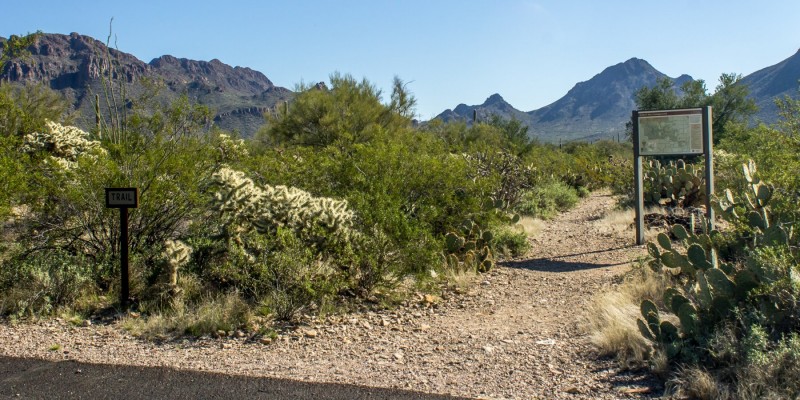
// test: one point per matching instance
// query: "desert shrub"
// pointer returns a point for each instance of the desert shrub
(25, 108)
(14, 176)
(769, 369)
(621, 178)
(510, 175)
(590, 165)
(71, 169)
(775, 152)
(547, 200)
(402, 183)
(296, 282)
(349, 112)
(44, 283)
(511, 242)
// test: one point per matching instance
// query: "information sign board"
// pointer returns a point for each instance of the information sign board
(670, 132)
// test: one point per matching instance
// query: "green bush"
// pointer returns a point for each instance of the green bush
(511, 242)
(769, 369)
(44, 283)
(546, 201)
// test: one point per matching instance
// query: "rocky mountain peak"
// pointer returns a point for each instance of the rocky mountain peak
(74, 64)
(495, 99)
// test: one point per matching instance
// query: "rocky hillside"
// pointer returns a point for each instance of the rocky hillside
(599, 107)
(777, 81)
(73, 65)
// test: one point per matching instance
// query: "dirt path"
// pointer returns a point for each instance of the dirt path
(515, 334)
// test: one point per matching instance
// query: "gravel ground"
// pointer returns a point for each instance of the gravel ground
(514, 334)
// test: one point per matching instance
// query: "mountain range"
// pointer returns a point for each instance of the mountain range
(591, 110)
(598, 108)
(72, 65)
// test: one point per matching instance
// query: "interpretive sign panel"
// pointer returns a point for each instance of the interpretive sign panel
(670, 132)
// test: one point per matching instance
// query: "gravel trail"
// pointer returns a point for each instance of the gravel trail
(515, 334)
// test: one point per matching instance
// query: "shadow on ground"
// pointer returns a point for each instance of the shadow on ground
(554, 264)
(40, 379)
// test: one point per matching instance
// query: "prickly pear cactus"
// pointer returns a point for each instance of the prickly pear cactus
(470, 247)
(709, 290)
(676, 184)
(752, 210)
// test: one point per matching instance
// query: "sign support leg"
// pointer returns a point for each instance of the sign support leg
(708, 144)
(124, 294)
(638, 185)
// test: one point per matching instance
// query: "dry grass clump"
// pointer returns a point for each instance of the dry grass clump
(461, 281)
(532, 226)
(222, 313)
(697, 383)
(611, 317)
(623, 221)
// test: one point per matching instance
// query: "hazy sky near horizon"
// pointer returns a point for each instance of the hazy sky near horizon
(448, 51)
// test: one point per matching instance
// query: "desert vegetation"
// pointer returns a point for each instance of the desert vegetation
(713, 311)
(342, 200)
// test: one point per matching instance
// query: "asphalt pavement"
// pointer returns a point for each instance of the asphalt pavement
(27, 378)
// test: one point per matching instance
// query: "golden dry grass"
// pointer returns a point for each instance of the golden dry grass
(697, 383)
(611, 317)
(226, 312)
(622, 222)
(461, 281)
(531, 226)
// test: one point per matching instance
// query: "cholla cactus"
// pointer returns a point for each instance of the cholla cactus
(177, 254)
(229, 148)
(64, 144)
(243, 204)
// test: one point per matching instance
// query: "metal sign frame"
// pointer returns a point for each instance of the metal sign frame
(708, 151)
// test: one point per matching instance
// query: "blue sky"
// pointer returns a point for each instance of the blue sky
(449, 51)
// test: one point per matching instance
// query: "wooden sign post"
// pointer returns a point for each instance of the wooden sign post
(123, 198)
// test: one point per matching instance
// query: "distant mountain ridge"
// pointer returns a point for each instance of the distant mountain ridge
(776, 81)
(590, 110)
(72, 64)
(600, 107)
